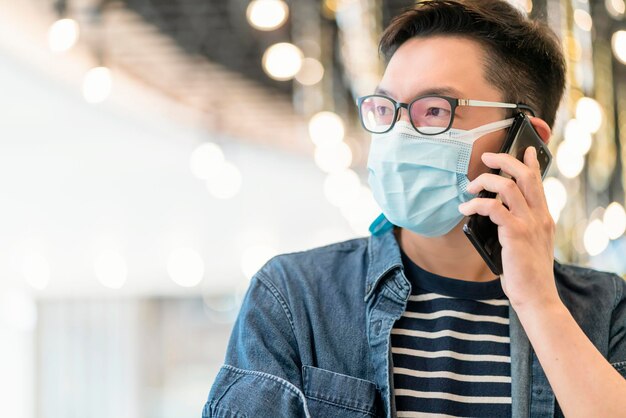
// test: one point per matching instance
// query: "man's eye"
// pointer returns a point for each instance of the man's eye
(436, 112)
(382, 110)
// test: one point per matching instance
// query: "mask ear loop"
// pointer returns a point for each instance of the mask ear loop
(491, 127)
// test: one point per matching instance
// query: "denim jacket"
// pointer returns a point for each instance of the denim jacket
(312, 338)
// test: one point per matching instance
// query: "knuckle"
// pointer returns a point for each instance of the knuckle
(528, 176)
(494, 203)
(480, 179)
(523, 230)
(548, 224)
(509, 185)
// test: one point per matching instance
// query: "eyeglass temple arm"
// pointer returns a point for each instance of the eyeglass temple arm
(481, 103)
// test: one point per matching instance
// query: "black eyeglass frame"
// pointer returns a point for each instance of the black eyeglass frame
(454, 103)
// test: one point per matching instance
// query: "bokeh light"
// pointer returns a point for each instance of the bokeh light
(267, 14)
(595, 238)
(569, 162)
(614, 220)
(311, 72)
(185, 267)
(583, 19)
(342, 187)
(282, 61)
(618, 42)
(556, 196)
(589, 114)
(97, 85)
(333, 157)
(226, 182)
(254, 257)
(36, 270)
(206, 160)
(326, 128)
(578, 137)
(63, 35)
(361, 211)
(616, 8)
(110, 269)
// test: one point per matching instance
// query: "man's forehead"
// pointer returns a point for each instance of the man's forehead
(446, 65)
(421, 91)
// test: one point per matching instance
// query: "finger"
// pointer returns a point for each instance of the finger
(493, 208)
(528, 179)
(530, 159)
(506, 188)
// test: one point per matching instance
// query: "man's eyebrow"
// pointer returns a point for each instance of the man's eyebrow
(380, 90)
(442, 90)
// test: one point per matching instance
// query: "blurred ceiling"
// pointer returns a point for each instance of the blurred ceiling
(204, 54)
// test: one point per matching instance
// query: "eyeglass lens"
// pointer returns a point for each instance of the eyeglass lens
(377, 114)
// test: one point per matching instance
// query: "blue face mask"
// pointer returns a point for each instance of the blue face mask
(420, 180)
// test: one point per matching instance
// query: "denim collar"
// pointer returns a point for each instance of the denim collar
(383, 256)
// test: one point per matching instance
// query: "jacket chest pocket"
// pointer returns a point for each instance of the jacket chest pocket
(331, 394)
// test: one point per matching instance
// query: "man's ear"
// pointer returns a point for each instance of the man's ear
(542, 128)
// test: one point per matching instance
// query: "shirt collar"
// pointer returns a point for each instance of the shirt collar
(383, 257)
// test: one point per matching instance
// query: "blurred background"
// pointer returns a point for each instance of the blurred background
(155, 153)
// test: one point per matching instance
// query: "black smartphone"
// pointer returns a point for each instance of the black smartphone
(483, 233)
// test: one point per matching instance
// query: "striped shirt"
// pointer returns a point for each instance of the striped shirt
(450, 348)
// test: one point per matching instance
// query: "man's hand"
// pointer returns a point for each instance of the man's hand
(525, 227)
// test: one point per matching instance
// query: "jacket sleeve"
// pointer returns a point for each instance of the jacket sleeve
(617, 338)
(262, 371)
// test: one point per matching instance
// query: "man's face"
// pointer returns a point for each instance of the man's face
(454, 65)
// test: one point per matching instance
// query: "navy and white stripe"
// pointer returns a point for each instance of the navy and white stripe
(451, 352)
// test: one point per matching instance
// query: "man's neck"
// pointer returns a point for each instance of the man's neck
(451, 255)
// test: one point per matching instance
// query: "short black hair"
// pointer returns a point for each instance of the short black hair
(524, 59)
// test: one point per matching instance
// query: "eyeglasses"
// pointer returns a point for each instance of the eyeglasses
(378, 113)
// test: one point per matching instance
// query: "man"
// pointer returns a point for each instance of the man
(410, 321)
